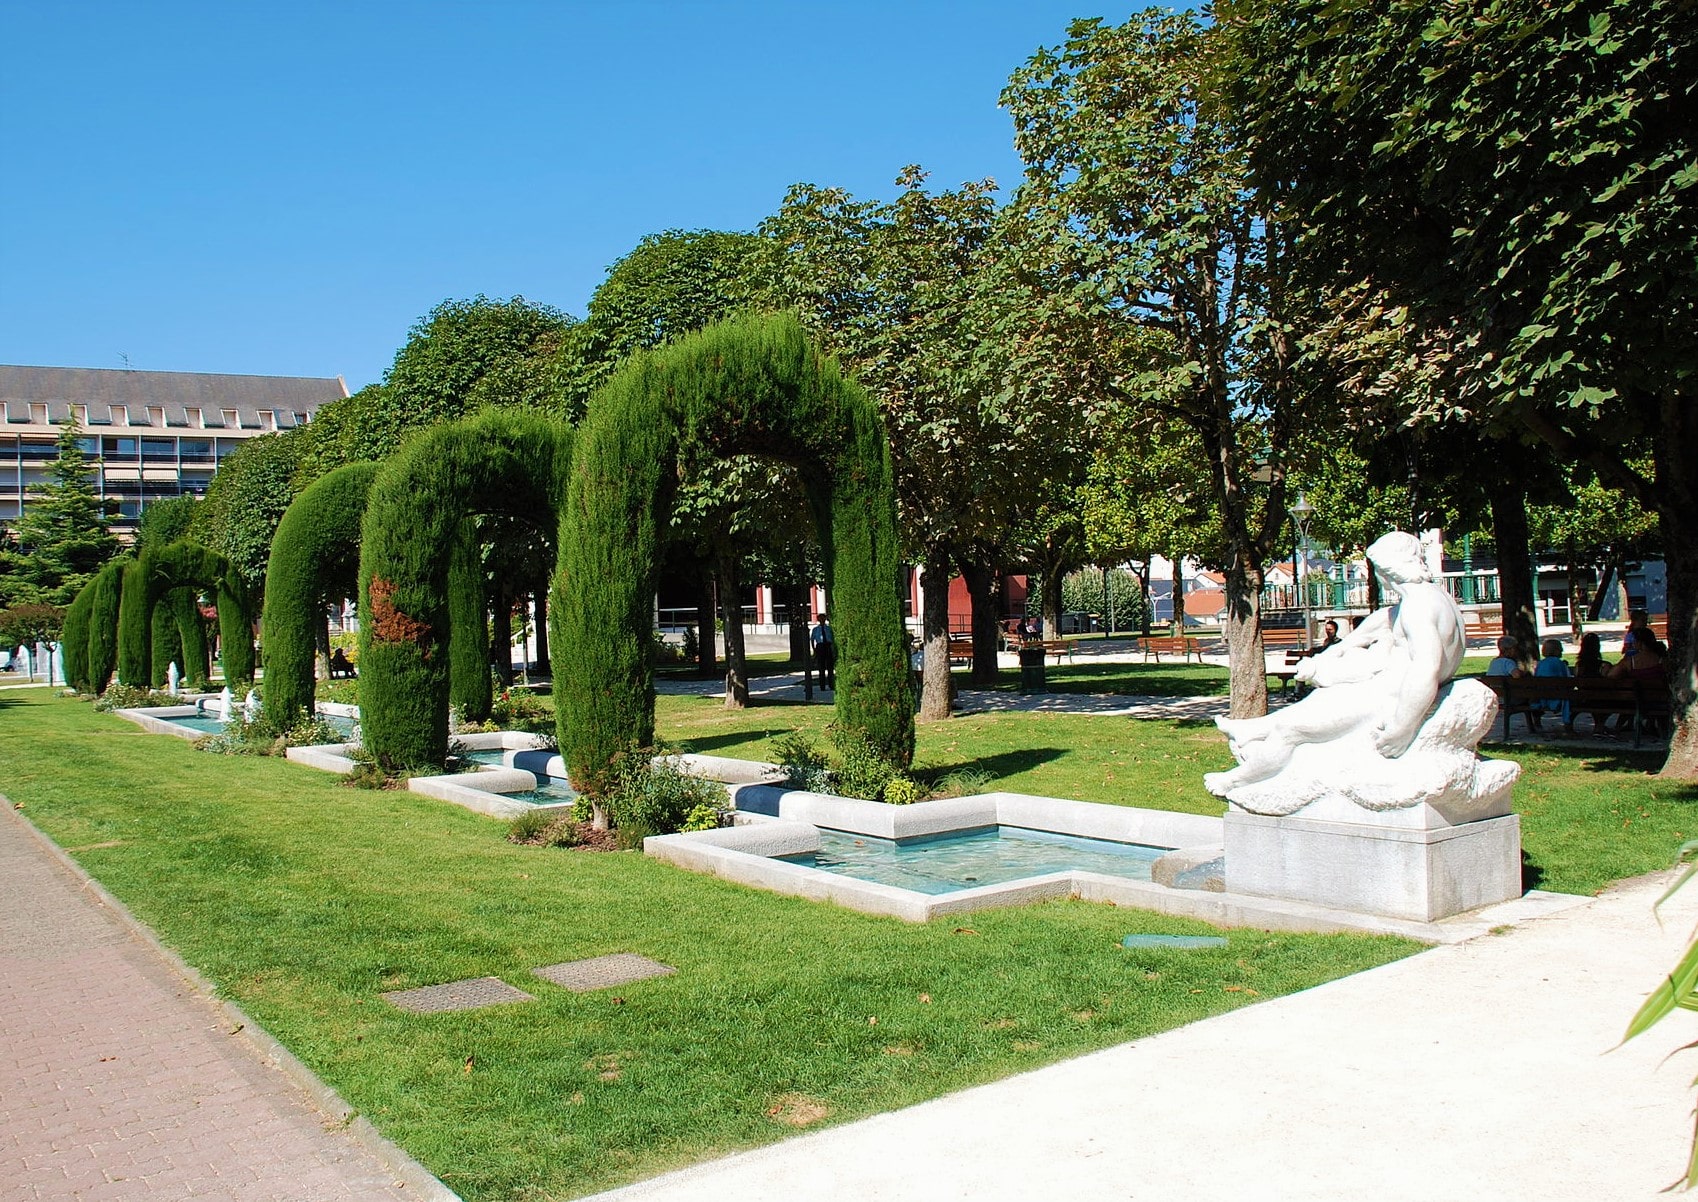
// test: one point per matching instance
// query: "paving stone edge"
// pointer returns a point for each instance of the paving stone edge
(263, 1045)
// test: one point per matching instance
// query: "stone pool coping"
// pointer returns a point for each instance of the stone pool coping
(774, 821)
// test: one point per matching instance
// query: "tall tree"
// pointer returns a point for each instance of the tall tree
(1140, 224)
(64, 534)
(1519, 180)
(901, 292)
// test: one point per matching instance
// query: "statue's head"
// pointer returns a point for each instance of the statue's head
(1397, 558)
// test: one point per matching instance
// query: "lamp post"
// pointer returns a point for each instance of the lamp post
(1300, 515)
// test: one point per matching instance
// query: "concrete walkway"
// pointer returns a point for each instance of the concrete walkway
(120, 1079)
(1476, 1071)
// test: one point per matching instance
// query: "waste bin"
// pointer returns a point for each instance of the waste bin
(1032, 669)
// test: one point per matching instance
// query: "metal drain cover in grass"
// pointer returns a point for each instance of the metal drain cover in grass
(603, 972)
(457, 995)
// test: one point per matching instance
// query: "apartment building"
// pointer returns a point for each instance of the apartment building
(149, 434)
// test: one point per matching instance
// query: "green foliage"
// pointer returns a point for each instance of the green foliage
(165, 641)
(62, 536)
(962, 782)
(657, 798)
(903, 791)
(165, 521)
(748, 386)
(247, 499)
(314, 560)
(460, 358)
(704, 817)
(469, 683)
(73, 639)
(261, 737)
(1082, 592)
(502, 461)
(518, 710)
(103, 610)
(129, 697)
(860, 771)
(1677, 991)
(135, 613)
(805, 765)
(33, 622)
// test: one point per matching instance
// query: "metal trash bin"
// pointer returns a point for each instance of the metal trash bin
(1032, 669)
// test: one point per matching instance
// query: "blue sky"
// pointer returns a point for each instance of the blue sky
(284, 189)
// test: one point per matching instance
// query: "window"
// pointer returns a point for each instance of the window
(118, 448)
(159, 450)
(155, 416)
(191, 449)
(230, 422)
(120, 415)
(31, 449)
(38, 414)
(196, 417)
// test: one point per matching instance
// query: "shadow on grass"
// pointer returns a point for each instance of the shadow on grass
(1133, 680)
(703, 744)
(1003, 764)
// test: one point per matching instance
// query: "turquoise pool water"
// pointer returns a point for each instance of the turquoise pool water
(212, 726)
(550, 791)
(994, 856)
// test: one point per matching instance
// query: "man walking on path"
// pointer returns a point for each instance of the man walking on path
(825, 652)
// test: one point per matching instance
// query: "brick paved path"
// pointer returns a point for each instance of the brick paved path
(120, 1080)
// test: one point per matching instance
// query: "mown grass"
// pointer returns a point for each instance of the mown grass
(303, 901)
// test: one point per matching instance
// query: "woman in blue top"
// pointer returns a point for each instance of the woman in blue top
(1551, 664)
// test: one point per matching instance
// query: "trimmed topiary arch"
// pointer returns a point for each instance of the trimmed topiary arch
(315, 559)
(502, 461)
(748, 386)
(152, 578)
(103, 592)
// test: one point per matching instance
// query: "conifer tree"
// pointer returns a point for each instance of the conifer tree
(63, 535)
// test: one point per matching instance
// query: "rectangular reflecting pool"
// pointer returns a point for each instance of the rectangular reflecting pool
(965, 860)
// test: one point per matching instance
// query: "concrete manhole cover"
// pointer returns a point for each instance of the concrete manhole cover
(457, 995)
(603, 972)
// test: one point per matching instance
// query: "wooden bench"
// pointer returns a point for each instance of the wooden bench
(1636, 700)
(960, 649)
(1286, 674)
(1283, 638)
(1482, 625)
(1055, 647)
(1170, 644)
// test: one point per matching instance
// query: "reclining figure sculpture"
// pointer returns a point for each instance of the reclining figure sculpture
(1383, 727)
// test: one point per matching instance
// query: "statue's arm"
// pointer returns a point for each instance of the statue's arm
(1423, 643)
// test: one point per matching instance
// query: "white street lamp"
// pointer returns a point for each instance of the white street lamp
(1301, 512)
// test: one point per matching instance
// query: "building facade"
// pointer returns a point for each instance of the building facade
(149, 434)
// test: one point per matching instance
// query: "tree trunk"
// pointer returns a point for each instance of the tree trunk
(1248, 659)
(731, 614)
(1606, 582)
(795, 600)
(982, 592)
(1676, 456)
(1178, 596)
(1575, 625)
(321, 653)
(934, 633)
(1143, 575)
(1515, 572)
(501, 633)
(707, 646)
(540, 621)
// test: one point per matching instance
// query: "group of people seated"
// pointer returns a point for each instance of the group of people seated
(340, 667)
(1644, 657)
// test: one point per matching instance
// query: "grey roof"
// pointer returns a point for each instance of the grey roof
(293, 399)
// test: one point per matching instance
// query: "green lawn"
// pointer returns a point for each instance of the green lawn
(303, 900)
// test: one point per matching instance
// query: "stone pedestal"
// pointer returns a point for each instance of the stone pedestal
(1416, 866)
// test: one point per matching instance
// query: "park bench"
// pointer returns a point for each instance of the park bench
(1170, 644)
(1055, 647)
(1283, 638)
(960, 649)
(1482, 625)
(1638, 700)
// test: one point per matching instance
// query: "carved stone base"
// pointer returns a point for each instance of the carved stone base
(1422, 874)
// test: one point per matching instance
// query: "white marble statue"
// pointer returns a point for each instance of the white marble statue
(250, 706)
(1384, 727)
(171, 678)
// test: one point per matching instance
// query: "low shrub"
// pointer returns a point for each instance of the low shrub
(963, 782)
(805, 765)
(657, 799)
(704, 817)
(903, 791)
(129, 697)
(860, 771)
(260, 737)
(516, 710)
(557, 828)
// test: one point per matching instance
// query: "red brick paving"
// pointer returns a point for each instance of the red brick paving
(120, 1080)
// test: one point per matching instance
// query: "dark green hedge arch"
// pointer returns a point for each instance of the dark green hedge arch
(315, 559)
(151, 578)
(752, 385)
(501, 461)
(90, 635)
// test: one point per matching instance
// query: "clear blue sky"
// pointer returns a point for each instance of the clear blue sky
(283, 189)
